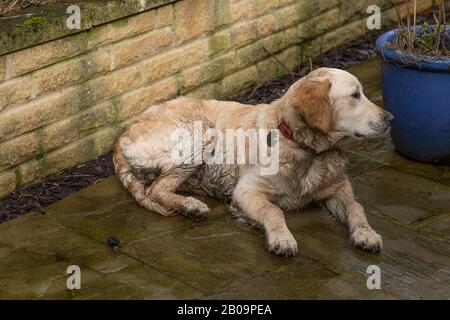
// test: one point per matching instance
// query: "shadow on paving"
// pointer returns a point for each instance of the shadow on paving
(159, 257)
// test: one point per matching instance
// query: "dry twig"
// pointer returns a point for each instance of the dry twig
(7, 6)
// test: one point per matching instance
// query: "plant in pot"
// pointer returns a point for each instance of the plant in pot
(416, 85)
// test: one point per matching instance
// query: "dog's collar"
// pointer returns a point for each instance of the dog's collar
(289, 134)
(286, 130)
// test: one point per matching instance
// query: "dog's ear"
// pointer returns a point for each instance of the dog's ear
(312, 101)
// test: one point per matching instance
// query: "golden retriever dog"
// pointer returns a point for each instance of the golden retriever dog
(304, 125)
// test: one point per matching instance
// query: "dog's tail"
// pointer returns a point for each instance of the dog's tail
(134, 185)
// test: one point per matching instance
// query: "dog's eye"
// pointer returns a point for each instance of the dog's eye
(356, 95)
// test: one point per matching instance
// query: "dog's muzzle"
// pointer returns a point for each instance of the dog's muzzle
(383, 125)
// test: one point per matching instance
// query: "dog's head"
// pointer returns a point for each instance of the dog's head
(332, 100)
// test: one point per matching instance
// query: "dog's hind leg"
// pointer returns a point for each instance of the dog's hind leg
(135, 185)
(160, 196)
(162, 191)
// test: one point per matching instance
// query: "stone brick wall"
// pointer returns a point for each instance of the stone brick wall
(65, 101)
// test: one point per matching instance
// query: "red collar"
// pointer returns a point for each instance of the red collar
(288, 134)
(286, 130)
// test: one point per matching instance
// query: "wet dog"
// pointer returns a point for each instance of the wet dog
(316, 112)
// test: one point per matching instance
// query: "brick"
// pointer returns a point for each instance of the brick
(123, 28)
(60, 133)
(269, 69)
(291, 36)
(62, 104)
(288, 16)
(98, 116)
(67, 130)
(2, 68)
(134, 103)
(136, 49)
(18, 150)
(275, 42)
(19, 120)
(15, 91)
(263, 6)
(208, 91)
(242, 10)
(7, 183)
(383, 4)
(351, 9)
(71, 72)
(105, 139)
(311, 49)
(267, 25)
(238, 82)
(29, 172)
(244, 33)
(291, 57)
(210, 71)
(308, 9)
(285, 2)
(343, 35)
(166, 64)
(318, 25)
(42, 55)
(69, 156)
(164, 16)
(251, 54)
(222, 13)
(220, 42)
(193, 18)
(193, 53)
(160, 66)
(112, 84)
(73, 154)
(302, 11)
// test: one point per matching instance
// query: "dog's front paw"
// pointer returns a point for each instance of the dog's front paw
(282, 243)
(195, 209)
(367, 239)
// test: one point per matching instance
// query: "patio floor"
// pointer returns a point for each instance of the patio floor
(408, 203)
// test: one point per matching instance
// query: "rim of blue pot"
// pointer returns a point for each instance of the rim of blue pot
(407, 60)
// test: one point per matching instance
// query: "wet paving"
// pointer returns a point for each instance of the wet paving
(407, 202)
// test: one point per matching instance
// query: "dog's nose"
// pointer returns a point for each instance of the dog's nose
(389, 117)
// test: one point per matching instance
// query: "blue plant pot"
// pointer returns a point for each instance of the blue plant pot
(418, 94)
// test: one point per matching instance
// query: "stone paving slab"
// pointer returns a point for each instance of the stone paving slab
(417, 199)
(439, 226)
(209, 257)
(413, 266)
(358, 165)
(36, 250)
(108, 210)
(383, 152)
(296, 281)
(408, 203)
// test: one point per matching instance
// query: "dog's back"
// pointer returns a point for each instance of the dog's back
(144, 154)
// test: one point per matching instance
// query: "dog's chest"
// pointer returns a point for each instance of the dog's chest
(300, 183)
